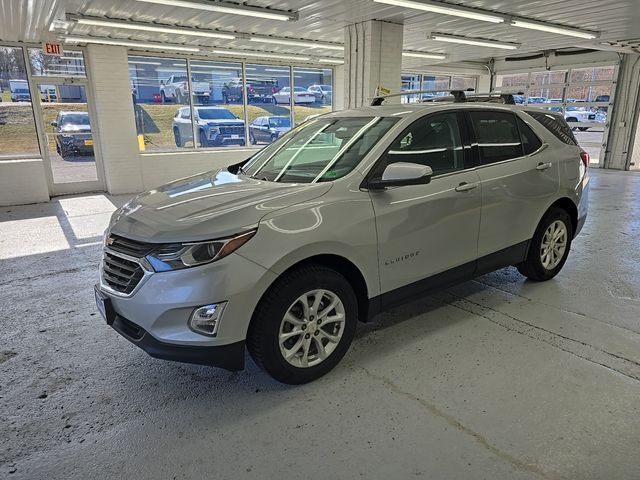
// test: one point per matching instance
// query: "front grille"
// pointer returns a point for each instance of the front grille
(239, 130)
(120, 274)
(130, 247)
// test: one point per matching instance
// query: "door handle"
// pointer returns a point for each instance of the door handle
(464, 186)
(543, 166)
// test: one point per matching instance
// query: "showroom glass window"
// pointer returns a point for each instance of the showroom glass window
(268, 102)
(463, 83)
(438, 85)
(70, 64)
(17, 126)
(410, 81)
(160, 92)
(216, 96)
(313, 92)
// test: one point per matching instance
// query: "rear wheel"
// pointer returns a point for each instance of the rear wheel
(252, 139)
(204, 142)
(549, 246)
(178, 139)
(583, 129)
(303, 325)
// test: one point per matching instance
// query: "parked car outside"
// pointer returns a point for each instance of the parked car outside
(268, 129)
(322, 93)
(176, 89)
(73, 134)
(48, 93)
(300, 95)
(258, 91)
(537, 100)
(215, 126)
(574, 114)
(19, 91)
(347, 215)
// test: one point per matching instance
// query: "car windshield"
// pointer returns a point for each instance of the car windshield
(322, 150)
(279, 122)
(326, 88)
(215, 114)
(75, 119)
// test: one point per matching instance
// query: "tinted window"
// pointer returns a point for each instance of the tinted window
(530, 141)
(556, 125)
(215, 114)
(433, 140)
(497, 136)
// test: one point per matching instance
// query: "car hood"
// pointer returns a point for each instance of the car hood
(76, 128)
(207, 206)
(280, 129)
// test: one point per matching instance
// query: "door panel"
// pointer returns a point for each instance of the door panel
(519, 177)
(426, 229)
(515, 194)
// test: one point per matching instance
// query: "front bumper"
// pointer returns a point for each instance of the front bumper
(155, 316)
(229, 357)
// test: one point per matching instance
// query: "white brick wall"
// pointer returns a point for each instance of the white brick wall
(373, 56)
(113, 119)
(23, 181)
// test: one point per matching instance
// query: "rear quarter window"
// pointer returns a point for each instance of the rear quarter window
(556, 125)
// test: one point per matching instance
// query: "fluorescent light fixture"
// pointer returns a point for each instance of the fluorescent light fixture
(129, 43)
(153, 28)
(331, 60)
(297, 43)
(545, 27)
(435, 56)
(277, 70)
(473, 41)
(243, 53)
(226, 7)
(454, 10)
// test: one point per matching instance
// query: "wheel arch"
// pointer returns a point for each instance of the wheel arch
(343, 266)
(570, 207)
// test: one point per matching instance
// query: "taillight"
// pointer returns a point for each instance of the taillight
(584, 156)
(250, 88)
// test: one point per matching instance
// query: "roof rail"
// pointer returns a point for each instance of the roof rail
(457, 96)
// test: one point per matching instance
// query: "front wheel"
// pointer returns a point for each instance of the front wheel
(178, 139)
(549, 246)
(303, 325)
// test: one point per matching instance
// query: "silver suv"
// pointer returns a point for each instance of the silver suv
(346, 215)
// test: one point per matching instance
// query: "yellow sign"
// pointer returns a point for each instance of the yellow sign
(382, 90)
(88, 142)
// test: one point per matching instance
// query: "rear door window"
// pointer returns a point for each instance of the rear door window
(497, 136)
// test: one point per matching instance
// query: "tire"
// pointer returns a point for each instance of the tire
(178, 139)
(284, 298)
(323, 100)
(163, 97)
(275, 100)
(178, 97)
(583, 129)
(533, 267)
(204, 142)
(252, 139)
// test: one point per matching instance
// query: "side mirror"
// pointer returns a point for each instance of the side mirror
(54, 124)
(402, 173)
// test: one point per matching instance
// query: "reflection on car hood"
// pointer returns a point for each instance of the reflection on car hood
(207, 206)
(75, 128)
(222, 121)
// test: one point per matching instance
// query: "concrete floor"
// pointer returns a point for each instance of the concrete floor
(497, 378)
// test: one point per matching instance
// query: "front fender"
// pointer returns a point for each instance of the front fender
(343, 227)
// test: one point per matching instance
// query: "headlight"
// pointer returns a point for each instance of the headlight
(174, 256)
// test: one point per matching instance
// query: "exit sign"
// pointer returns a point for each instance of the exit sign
(50, 48)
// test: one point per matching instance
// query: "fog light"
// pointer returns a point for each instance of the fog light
(205, 320)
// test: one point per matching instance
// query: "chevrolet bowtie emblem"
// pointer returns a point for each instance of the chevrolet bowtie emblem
(110, 240)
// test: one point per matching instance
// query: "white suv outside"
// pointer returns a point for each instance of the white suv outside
(346, 215)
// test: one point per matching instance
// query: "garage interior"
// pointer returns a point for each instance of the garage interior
(495, 378)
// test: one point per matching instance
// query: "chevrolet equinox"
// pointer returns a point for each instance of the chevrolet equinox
(346, 215)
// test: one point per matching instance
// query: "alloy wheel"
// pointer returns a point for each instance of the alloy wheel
(553, 245)
(312, 328)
